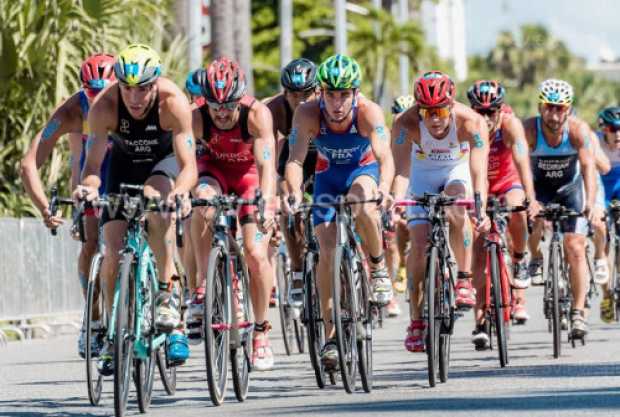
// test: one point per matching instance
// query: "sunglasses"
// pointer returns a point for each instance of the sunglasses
(430, 112)
(232, 105)
(486, 112)
(613, 128)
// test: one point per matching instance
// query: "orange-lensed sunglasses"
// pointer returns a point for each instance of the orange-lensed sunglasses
(430, 112)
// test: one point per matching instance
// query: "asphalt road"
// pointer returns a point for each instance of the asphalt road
(45, 378)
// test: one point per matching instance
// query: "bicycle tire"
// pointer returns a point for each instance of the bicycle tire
(498, 305)
(344, 318)
(314, 322)
(94, 387)
(287, 324)
(123, 335)
(432, 324)
(447, 325)
(554, 270)
(168, 374)
(144, 369)
(300, 335)
(241, 356)
(216, 311)
(364, 341)
(615, 276)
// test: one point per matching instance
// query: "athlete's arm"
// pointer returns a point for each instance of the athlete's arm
(101, 120)
(75, 147)
(477, 134)
(371, 118)
(62, 121)
(299, 139)
(583, 144)
(603, 165)
(402, 143)
(515, 139)
(260, 126)
(178, 113)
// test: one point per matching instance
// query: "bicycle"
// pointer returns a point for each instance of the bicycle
(439, 282)
(498, 294)
(227, 313)
(557, 298)
(351, 300)
(290, 320)
(613, 230)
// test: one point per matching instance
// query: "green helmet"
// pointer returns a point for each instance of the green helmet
(339, 72)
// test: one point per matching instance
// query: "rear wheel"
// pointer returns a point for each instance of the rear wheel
(144, 368)
(167, 373)
(498, 307)
(216, 321)
(314, 322)
(433, 325)
(554, 270)
(241, 354)
(364, 327)
(286, 315)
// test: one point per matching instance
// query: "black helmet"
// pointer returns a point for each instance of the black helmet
(299, 75)
(609, 116)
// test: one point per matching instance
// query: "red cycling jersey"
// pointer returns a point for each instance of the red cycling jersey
(229, 155)
(502, 172)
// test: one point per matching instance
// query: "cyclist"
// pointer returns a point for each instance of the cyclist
(609, 135)
(396, 240)
(70, 117)
(510, 179)
(353, 159)
(298, 78)
(149, 120)
(442, 146)
(193, 89)
(563, 165)
(238, 137)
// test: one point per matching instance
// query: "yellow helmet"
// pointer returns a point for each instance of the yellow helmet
(137, 65)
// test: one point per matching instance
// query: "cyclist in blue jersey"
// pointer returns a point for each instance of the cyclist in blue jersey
(564, 172)
(609, 135)
(70, 118)
(353, 159)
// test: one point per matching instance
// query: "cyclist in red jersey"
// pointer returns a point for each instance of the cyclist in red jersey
(237, 132)
(510, 179)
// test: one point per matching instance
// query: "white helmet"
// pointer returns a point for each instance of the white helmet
(554, 91)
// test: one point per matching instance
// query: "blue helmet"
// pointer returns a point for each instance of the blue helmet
(191, 83)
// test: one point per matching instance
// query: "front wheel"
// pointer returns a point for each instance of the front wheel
(94, 380)
(498, 305)
(554, 269)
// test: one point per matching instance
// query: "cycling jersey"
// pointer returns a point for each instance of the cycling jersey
(611, 180)
(84, 107)
(228, 156)
(502, 172)
(341, 159)
(141, 149)
(435, 163)
(557, 177)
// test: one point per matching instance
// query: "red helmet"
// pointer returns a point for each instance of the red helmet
(486, 94)
(97, 71)
(434, 89)
(223, 81)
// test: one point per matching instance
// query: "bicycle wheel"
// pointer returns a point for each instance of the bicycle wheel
(144, 368)
(433, 323)
(216, 324)
(498, 305)
(124, 334)
(314, 322)
(286, 315)
(300, 335)
(554, 270)
(364, 327)
(168, 374)
(447, 324)
(241, 354)
(615, 276)
(94, 380)
(345, 318)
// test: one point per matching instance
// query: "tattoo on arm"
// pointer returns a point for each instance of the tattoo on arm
(478, 142)
(401, 137)
(266, 153)
(467, 238)
(586, 139)
(520, 147)
(50, 129)
(381, 132)
(189, 142)
(292, 137)
(89, 142)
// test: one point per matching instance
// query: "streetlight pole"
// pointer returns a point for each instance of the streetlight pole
(286, 32)
(194, 47)
(340, 40)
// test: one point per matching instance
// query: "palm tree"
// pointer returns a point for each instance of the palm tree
(243, 39)
(222, 29)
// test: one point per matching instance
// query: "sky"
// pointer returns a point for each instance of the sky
(590, 28)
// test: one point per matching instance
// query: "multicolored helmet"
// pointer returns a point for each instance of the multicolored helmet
(191, 83)
(137, 65)
(339, 72)
(434, 89)
(222, 82)
(402, 103)
(609, 116)
(554, 91)
(486, 94)
(299, 75)
(97, 71)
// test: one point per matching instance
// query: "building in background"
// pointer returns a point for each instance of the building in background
(444, 24)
